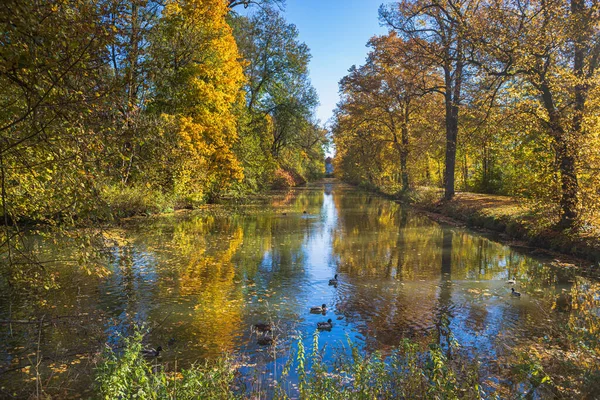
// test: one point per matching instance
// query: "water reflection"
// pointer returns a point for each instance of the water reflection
(201, 280)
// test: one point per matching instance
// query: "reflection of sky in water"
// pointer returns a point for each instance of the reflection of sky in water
(133, 276)
(202, 280)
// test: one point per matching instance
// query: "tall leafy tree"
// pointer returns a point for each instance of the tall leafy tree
(197, 81)
(440, 28)
(132, 22)
(553, 49)
(52, 92)
(280, 99)
(382, 98)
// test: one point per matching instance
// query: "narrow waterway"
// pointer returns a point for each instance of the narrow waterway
(199, 281)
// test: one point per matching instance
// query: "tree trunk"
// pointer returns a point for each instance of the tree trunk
(451, 134)
(453, 89)
(566, 154)
(569, 201)
(404, 150)
(465, 172)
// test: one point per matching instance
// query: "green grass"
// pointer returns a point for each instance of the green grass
(532, 223)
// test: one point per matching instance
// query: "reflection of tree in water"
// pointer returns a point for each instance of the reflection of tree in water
(194, 285)
(379, 239)
(444, 308)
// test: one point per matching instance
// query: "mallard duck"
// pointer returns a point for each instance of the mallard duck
(319, 310)
(325, 325)
(511, 281)
(265, 340)
(152, 353)
(514, 292)
(304, 212)
(262, 327)
(334, 281)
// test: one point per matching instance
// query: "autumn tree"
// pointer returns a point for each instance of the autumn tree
(440, 29)
(382, 98)
(552, 48)
(280, 99)
(132, 22)
(197, 81)
(52, 93)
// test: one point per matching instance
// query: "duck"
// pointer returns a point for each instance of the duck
(262, 327)
(152, 353)
(515, 293)
(265, 340)
(334, 281)
(319, 309)
(304, 212)
(511, 281)
(325, 325)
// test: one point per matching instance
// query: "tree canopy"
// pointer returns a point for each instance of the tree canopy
(518, 81)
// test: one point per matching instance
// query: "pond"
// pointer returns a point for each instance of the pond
(200, 280)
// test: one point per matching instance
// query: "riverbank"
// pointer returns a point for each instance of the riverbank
(515, 221)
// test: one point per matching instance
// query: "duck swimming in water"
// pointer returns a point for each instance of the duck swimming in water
(325, 325)
(152, 353)
(265, 340)
(334, 281)
(515, 293)
(319, 310)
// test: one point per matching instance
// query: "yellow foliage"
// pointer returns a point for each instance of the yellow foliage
(205, 128)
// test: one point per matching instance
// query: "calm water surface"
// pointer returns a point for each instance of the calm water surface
(201, 280)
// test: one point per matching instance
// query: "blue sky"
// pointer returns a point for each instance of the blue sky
(337, 32)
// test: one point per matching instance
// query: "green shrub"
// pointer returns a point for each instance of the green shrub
(129, 376)
(127, 201)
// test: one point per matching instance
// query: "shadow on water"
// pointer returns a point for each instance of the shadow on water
(202, 280)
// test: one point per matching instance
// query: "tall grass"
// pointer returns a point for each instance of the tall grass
(130, 376)
(409, 372)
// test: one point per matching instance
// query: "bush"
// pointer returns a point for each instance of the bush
(282, 180)
(129, 376)
(128, 201)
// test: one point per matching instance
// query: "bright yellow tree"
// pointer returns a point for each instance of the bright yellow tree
(197, 94)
